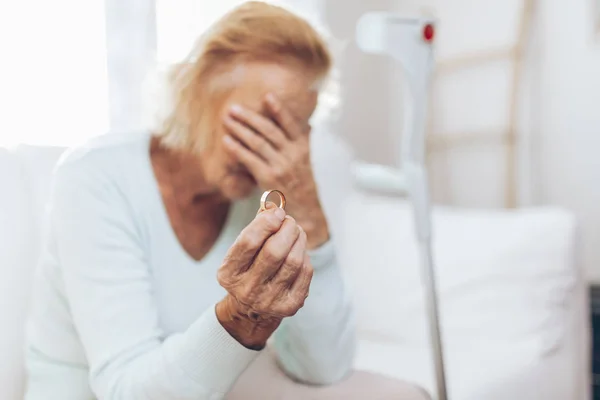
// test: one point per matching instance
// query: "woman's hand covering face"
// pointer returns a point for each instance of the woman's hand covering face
(276, 151)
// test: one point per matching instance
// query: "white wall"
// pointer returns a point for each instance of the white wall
(570, 141)
(365, 81)
(477, 100)
(559, 114)
(559, 106)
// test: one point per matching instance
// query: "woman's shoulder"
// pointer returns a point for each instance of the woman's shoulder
(104, 162)
(105, 150)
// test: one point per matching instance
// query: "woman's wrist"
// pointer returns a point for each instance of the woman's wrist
(250, 330)
(310, 216)
(317, 231)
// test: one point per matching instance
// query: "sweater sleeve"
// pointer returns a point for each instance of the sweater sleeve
(109, 291)
(318, 344)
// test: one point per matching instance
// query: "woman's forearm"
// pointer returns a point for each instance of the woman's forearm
(317, 345)
(202, 363)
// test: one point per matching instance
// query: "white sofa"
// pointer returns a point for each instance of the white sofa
(514, 309)
(512, 300)
(24, 181)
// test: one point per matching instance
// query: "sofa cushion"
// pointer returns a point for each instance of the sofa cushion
(502, 276)
(18, 245)
(25, 180)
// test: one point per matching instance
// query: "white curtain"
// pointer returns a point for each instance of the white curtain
(53, 74)
(131, 51)
(179, 22)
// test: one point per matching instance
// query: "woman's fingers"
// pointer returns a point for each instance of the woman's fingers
(243, 252)
(300, 288)
(251, 139)
(255, 164)
(284, 117)
(267, 269)
(292, 265)
(275, 251)
(265, 127)
(269, 205)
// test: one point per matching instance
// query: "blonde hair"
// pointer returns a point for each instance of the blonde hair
(254, 31)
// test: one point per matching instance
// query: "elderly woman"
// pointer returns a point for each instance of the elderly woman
(159, 279)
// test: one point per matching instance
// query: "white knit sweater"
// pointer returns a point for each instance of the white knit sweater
(121, 312)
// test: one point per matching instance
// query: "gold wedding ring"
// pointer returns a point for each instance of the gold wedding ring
(265, 196)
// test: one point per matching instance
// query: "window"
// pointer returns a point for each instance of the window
(180, 22)
(53, 77)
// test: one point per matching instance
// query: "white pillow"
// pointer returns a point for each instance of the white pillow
(502, 275)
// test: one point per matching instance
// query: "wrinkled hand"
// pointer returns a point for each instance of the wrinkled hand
(267, 275)
(276, 151)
